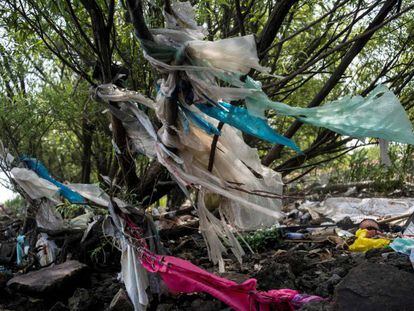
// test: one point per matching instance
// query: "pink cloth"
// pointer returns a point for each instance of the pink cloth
(182, 276)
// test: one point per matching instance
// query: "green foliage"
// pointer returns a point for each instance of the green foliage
(16, 206)
(262, 239)
(69, 211)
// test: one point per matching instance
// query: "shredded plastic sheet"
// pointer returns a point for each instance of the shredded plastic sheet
(35, 186)
(215, 233)
(36, 166)
(359, 209)
(377, 115)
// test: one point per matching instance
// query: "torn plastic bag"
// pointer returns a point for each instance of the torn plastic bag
(236, 54)
(48, 217)
(95, 194)
(34, 186)
(37, 166)
(379, 114)
(141, 140)
(135, 278)
(241, 119)
(110, 92)
(47, 250)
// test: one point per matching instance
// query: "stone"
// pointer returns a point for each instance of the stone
(275, 275)
(59, 306)
(121, 302)
(205, 305)
(373, 286)
(80, 301)
(51, 280)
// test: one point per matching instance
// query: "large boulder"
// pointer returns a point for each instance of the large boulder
(373, 286)
(55, 279)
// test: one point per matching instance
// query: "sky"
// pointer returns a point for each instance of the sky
(5, 194)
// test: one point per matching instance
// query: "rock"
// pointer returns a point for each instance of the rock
(165, 307)
(121, 302)
(51, 280)
(372, 286)
(59, 306)
(80, 301)
(205, 305)
(275, 275)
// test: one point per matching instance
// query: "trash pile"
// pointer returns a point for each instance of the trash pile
(205, 100)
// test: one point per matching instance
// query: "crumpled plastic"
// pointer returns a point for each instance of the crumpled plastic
(363, 244)
(37, 166)
(35, 186)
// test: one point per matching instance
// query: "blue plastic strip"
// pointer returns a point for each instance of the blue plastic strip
(240, 118)
(201, 122)
(37, 166)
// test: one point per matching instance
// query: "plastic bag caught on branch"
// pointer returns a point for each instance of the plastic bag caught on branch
(35, 186)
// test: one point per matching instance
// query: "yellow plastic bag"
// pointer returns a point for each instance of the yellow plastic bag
(363, 244)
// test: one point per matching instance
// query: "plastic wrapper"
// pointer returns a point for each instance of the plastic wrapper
(363, 244)
(242, 120)
(35, 186)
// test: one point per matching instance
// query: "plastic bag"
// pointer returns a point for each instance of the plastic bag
(236, 54)
(35, 186)
(135, 278)
(48, 218)
(37, 166)
(48, 250)
(363, 244)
